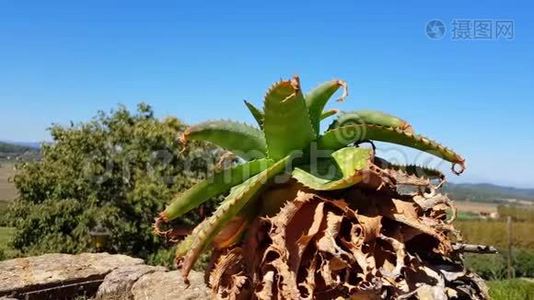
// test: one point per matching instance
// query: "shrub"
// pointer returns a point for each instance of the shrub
(162, 257)
(165, 257)
(494, 266)
(490, 267)
(118, 170)
(523, 263)
(3, 212)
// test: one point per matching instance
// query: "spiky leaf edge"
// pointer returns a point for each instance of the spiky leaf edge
(317, 98)
(243, 140)
(219, 183)
(342, 136)
(256, 113)
(204, 233)
(286, 123)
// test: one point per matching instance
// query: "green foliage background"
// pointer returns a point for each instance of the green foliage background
(494, 266)
(118, 170)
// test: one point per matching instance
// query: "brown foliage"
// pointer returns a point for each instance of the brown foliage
(359, 243)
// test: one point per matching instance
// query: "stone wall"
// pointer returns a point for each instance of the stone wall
(94, 276)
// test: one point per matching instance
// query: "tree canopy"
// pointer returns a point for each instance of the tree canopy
(117, 171)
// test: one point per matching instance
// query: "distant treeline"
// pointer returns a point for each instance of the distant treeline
(484, 192)
(16, 149)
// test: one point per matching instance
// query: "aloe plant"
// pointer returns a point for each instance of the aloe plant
(287, 142)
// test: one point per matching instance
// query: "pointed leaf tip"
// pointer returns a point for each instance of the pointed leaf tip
(286, 123)
(256, 113)
(243, 140)
(317, 98)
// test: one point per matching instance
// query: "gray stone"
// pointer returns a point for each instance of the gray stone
(170, 285)
(109, 277)
(58, 272)
(117, 284)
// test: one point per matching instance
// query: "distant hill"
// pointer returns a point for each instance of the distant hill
(15, 151)
(16, 148)
(34, 145)
(486, 192)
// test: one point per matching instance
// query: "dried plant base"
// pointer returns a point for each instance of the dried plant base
(363, 245)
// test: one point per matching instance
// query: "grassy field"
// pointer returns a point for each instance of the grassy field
(494, 233)
(7, 189)
(516, 289)
(5, 235)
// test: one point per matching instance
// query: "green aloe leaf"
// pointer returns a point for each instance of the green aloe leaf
(243, 140)
(371, 117)
(240, 195)
(217, 184)
(328, 113)
(344, 169)
(286, 123)
(256, 113)
(338, 138)
(317, 98)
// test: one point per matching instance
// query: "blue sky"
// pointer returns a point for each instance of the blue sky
(64, 60)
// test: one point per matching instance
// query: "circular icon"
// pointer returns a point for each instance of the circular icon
(435, 29)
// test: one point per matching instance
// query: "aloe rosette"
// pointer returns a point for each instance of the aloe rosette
(286, 143)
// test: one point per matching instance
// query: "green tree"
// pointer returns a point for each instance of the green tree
(117, 170)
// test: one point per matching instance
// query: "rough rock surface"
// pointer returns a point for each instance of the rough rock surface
(100, 275)
(118, 284)
(170, 285)
(21, 276)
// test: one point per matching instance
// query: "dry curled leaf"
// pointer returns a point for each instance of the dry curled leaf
(359, 243)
